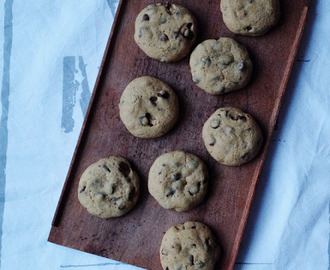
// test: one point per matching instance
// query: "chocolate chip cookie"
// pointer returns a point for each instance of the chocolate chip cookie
(250, 17)
(109, 188)
(220, 66)
(148, 107)
(231, 136)
(190, 245)
(165, 32)
(178, 180)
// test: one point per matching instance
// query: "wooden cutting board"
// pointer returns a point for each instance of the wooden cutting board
(135, 238)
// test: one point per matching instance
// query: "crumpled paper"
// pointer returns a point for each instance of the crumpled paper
(50, 58)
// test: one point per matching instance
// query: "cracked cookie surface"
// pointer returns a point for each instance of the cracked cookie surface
(220, 66)
(250, 17)
(178, 180)
(165, 32)
(190, 245)
(109, 187)
(231, 136)
(148, 107)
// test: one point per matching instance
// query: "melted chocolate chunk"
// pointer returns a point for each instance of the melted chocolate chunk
(170, 192)
(145, 17)
(176, 176)
(163, 94)
(124, 169)
(163, 37)
(153, 100)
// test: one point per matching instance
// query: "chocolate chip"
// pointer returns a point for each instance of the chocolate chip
(233, 117)
(215, 123)
(247, 28)
(225, 63)
(206, 60)
(163, 94)
(176, 176)
(113, 189)
(153, 100)
(170, 192)
(124, 169)
(228, 130)
(145, 17)
(164, 252)
(167, 5)
(208, 244)
(186, 31)
(194, 189)
(106, 168)
(82, 190)
(122, 207)
(100, 194)
(240, 65)
(242, 117)
(115, 199)
(191, 259)
(96, 183)
(149, 119)
(188, 34)
(163, 37)
(145, 120)
(212, 141)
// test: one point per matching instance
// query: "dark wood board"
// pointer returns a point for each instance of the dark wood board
(135, 238)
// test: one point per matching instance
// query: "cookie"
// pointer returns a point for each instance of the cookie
(250, 17)
(109, 188)
(231, 136)
(190, 245)
(148, 107)
(165, 32)
(220, 66)
(178, 180)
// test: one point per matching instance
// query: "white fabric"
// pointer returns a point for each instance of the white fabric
(52, 40)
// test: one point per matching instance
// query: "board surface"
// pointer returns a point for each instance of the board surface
(135, 238)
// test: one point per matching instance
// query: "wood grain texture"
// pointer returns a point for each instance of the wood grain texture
(135, 238)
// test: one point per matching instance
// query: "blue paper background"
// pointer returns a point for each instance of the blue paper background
(49, 60)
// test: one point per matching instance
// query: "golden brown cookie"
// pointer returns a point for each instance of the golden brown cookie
(190, 245)
(148, 107)
(109, 187)
(220, 66)
(231, 136)
(178, 180)
(250, 17)
(165, 32)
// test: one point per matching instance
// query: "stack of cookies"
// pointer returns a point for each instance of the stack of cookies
(149, 108)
